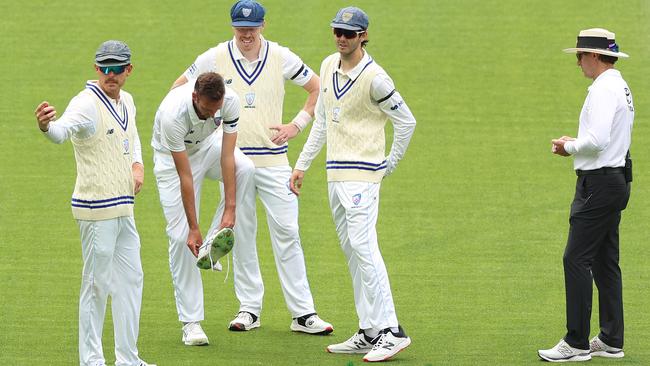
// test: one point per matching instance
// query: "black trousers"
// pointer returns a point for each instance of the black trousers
(592, 254)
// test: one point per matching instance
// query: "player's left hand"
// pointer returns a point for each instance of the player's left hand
(138, 177)
(284, 133)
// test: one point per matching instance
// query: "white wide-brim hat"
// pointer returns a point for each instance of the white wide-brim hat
(597, 40)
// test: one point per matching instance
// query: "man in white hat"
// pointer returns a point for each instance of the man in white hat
(356, 99)
(100, 121)
(604, 169)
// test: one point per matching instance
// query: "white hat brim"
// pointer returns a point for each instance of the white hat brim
(597, 50)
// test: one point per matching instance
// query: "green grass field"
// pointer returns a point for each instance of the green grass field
(472, 224)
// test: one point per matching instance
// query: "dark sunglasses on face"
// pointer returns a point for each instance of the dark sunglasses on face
(348, 34)
(114, 69)
(579, 55)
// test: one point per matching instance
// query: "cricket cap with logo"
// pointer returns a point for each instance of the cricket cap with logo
(350, 18)
(597, 40)
(113, 53)
(247, 13)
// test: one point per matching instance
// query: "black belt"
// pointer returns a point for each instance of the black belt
(601, 171)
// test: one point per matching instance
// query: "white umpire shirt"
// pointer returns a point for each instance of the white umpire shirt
(606, 120)
(80, 119)
(292, 66)
(178, 128)
(394, 107)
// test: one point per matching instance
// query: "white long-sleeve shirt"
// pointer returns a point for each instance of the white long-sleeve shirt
(79, 120)
(382, 93)
(606, 119)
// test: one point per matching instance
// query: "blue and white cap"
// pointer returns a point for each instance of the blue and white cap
(113, 53)
(350, 18)
(247, 13)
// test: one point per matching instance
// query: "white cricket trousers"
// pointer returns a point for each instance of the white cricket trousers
(205, 163)
(111, 266)
(355, 206)
(272, 186)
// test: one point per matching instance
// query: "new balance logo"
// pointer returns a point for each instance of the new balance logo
(110, 131)
(388, 345)
(228, 81)
(397, 105)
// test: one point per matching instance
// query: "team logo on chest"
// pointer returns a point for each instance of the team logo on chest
(336, 113)
(217, 122)
(125, 144)
(250, 99)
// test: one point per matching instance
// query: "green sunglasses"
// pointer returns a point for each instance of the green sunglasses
(114, 69)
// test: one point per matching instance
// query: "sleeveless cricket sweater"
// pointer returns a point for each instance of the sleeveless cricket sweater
(261, 94)
(355, 125)
(104, 187)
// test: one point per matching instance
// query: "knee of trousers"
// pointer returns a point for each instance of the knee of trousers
(244, 167)
(571, 260)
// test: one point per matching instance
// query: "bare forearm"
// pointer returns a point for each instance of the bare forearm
(187, 195)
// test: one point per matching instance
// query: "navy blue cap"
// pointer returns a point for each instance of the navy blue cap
(113, 53)
(247, 13)
(351, 18)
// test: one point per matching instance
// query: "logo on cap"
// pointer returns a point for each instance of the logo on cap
(347, 16)
(246, 12)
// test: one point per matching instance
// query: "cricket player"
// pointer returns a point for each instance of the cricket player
(194, 138)
(604, 174)
(355, 100)
(100, 122)
(257, 70)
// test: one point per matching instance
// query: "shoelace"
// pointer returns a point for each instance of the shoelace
(379, 341)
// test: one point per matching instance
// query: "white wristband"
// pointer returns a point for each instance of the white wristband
(301, 120)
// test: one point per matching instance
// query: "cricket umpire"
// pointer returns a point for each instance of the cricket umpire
(604, 171)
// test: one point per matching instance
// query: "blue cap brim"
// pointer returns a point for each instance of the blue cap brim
(346, 26)
(245, 23)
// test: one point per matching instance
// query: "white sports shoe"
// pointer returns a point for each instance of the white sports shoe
(358, 343)
(601, 349)
(193, 335)
(562, 352)
(312, 325)
(244, 321)
(215, 246)
(387, 344)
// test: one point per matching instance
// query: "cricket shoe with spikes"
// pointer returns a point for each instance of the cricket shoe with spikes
(217, 245)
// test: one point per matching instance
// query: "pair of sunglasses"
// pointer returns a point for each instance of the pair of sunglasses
(348, 34)
(114, 69)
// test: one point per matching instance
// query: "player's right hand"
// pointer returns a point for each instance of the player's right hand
(45, 113)
(295, 182)
(194, 241)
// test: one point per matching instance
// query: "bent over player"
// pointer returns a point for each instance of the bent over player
(189, 147)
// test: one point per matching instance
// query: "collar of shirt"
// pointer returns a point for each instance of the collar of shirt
(194, 118)
(115, 102)
(354, 73)
(604, 76)
(236, 53)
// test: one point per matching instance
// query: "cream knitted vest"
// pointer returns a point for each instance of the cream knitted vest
(261, 94)
(355, 125)
(104, 187)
